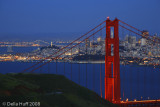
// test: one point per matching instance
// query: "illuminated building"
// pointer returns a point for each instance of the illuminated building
(145, 34)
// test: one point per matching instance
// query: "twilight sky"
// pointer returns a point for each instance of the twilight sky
(29, 17)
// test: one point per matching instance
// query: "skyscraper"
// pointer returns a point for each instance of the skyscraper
(145, 34)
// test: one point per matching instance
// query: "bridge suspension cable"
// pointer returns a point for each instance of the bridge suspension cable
(141, 32)
(69, 49)
(64, 47)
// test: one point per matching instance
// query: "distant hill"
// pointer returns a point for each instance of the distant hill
(48, 89)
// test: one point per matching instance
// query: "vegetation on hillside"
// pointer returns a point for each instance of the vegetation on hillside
(48, 89)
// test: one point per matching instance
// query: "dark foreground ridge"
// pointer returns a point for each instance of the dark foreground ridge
(48, 89)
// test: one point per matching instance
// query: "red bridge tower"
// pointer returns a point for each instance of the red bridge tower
(112, 73)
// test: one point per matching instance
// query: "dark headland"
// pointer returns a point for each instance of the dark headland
(48, 89)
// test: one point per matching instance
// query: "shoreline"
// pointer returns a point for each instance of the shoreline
(82, 62)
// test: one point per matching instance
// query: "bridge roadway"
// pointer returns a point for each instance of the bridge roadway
(143, 103)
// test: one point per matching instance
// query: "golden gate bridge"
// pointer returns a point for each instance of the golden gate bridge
(112, 80)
